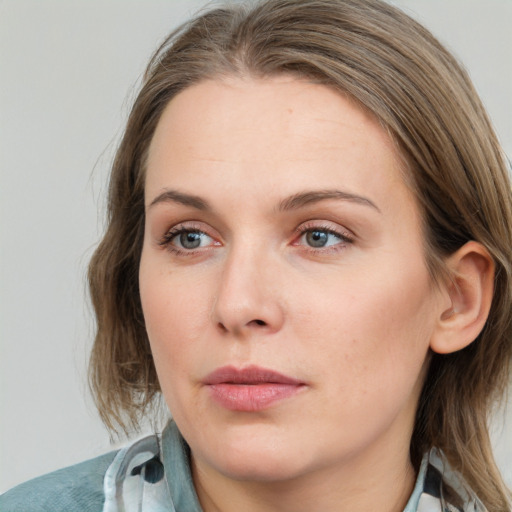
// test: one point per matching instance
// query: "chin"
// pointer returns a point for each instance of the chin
(260, 467)
(257, 458)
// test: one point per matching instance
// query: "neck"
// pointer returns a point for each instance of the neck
(356, 486)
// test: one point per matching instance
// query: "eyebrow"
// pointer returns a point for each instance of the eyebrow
(293, 202)
(306, 198)
(173, 196)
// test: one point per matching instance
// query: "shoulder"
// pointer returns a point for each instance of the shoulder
(152, 473)
(78, 487)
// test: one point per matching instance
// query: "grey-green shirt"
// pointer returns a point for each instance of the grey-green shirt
(153, 475)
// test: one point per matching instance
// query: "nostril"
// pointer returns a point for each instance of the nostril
(236, 329)
(222, 327)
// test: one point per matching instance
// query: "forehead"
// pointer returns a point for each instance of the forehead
(260, 136)
(281, 105)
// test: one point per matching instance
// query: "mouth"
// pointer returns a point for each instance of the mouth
(250, 389)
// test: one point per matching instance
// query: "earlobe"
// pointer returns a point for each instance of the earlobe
(469, 295)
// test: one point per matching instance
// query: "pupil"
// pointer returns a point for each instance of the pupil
(316, 238)
(190, 240)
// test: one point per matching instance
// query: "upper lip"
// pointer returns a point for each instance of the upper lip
(248, 375)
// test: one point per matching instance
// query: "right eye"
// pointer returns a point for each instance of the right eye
(190, 239)
(186, 240)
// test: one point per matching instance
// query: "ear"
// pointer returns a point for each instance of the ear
(466, 299)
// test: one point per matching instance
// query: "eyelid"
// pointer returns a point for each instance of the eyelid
(323, 225)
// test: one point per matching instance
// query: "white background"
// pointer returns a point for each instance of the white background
(68, 71)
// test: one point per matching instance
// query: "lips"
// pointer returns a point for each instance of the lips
(250, 389)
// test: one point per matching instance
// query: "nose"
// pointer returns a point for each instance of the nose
(248, 295)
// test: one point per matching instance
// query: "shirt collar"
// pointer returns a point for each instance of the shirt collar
(176, 457)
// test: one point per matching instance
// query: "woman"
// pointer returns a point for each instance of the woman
(308, 255)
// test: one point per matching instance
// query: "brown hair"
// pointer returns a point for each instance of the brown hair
(394, 68)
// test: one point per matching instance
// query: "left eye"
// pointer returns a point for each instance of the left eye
(319, 238)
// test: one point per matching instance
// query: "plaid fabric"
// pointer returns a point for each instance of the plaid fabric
(444, 489)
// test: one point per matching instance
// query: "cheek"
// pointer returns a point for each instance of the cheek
(176, 311)
(170, 327)
(371, 333)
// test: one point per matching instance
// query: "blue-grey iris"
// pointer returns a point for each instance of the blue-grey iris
(190, 240)
(317, 238)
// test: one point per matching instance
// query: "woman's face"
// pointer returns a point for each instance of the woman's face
(283, 282)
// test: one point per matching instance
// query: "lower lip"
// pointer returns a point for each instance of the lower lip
(251, 397)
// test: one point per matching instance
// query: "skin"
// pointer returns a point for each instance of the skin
(353, 320)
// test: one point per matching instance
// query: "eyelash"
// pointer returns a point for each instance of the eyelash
(345, 238)
(166, 240)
